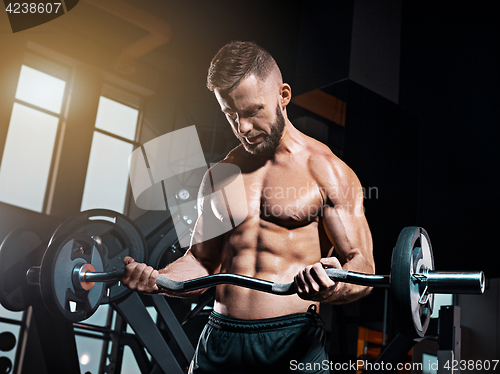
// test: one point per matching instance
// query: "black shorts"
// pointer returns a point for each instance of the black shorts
(288, 344)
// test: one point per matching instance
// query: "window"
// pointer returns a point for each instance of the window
(34, 125)
(439, 301)
(429, 364)
(106, 183)
(90, 346)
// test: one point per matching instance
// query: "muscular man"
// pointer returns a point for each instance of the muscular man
(302, 203)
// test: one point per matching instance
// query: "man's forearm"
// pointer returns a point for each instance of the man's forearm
(348, 292)
(183, 269)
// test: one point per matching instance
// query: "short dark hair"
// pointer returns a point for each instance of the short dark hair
(237, 60)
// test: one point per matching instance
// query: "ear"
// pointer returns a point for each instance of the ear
(285, 95)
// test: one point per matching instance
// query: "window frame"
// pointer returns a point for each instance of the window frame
(132, 100)
(61, 71)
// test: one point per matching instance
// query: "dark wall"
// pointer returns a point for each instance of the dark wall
(446, 69)
(324, 44)
(449, 78)
(381, 145)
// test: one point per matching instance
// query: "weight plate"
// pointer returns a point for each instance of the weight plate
(21, 249)
(120, 237)
(412, 305)
(166, 251)
(60, 293)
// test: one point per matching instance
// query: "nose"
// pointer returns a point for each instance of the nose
(244, 125)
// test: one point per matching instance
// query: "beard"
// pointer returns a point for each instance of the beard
(271, 141)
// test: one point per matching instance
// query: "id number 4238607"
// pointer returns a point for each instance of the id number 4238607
(473, 365)
(38, 8)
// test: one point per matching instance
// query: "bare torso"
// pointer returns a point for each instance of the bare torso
(277, 216)
(280, 235)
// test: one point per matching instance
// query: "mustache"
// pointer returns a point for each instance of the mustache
(251, 135)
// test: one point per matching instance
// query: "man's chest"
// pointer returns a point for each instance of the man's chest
(285, 196)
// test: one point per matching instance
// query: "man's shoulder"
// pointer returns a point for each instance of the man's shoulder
(326, 166)
(321, 156)
(235, 155)
(222, 172)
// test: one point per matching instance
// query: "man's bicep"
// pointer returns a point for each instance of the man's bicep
(345, 222)
(208, 254)
(348, 232)
(343, 214)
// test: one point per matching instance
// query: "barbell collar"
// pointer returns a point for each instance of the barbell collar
(108, 276)
(82, 274)
(80, 281)
(454, 282)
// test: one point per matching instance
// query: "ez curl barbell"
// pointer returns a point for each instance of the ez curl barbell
(73, 283)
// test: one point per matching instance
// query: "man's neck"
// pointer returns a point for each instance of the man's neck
(291, 141)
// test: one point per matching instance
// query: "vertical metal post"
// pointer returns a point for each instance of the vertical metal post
(384, 325)
(449, 340)
(134, 312)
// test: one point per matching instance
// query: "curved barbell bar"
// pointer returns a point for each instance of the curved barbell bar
(437, 282)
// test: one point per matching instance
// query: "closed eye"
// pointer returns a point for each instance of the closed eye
(254, 113)
(246, 114)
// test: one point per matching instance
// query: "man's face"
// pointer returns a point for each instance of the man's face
(254, 113)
